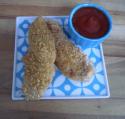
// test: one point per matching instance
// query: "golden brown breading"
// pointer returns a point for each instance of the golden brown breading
(41, 41)
(39, 61)
(69, 59)
(37, 77)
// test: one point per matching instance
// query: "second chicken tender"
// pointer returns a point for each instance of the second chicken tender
(69, 59)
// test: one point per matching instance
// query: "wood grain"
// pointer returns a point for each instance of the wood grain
(114, 50)
(45, 115)
(117, 5)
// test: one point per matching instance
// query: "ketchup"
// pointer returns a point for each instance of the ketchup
(90, 22)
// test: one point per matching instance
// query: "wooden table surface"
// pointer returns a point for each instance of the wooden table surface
(114, 51)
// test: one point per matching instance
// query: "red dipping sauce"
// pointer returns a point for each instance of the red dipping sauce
(90, 22)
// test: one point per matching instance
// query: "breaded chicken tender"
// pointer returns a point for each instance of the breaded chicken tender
(42, 41)
(69, 59)
(36, 77)
(39, 61)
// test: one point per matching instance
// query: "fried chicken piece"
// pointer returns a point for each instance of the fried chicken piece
(69, 59)
(37, 77)
(41, 41)
(39, 61)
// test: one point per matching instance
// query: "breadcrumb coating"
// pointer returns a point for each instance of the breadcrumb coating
(69, 59)
(39, 61)
(41, 41)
